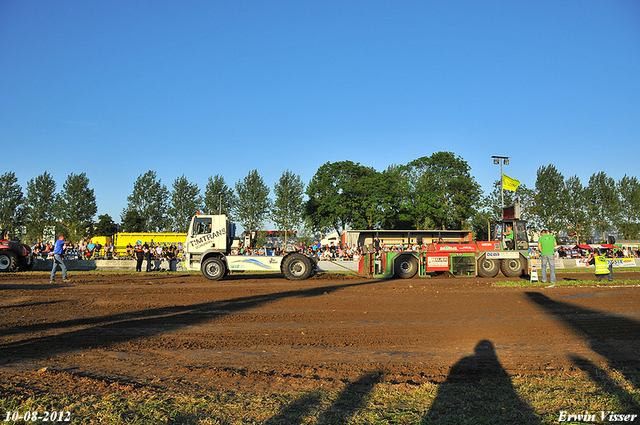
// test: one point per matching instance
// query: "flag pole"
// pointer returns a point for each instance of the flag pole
(501, 160)
(502, 185)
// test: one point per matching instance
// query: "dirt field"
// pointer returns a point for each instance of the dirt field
(180, 331)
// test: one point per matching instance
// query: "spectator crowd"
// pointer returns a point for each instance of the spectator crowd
(87, 250)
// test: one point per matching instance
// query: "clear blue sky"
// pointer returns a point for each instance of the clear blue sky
(117, 88)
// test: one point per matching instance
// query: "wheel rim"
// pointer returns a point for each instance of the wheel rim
(297, 268)
(489, 266)
(406, 266)
(5, 263)
(213, 269)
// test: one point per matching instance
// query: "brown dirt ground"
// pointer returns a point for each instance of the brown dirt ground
(101, 333)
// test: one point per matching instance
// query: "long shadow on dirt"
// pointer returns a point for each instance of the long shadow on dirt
(350, 400)
(112, 329)
(602, 379)
(614, 337)
(479, 390)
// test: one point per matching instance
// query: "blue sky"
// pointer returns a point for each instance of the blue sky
(117, 88)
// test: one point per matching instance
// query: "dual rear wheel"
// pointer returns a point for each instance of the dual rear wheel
(510, 267)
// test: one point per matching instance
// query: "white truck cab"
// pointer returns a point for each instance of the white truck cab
(208, 247)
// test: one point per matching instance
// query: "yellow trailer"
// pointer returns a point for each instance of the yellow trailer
(121, 240)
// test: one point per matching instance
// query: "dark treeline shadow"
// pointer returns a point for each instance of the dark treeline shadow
(350, 400)
(104, 331)
(614, 337)
(296, 411)
(602, 379)
(479, 390)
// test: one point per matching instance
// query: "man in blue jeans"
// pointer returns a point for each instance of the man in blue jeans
(546, 245)
(58, 258)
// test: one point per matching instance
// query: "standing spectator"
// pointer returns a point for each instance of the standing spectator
(147, 255)
(376, 244)
(58, 253)
(139, 254)
(171, 257)
(546, 246)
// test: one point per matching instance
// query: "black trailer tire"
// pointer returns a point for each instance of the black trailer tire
(213, 268)
(512, 267)
(8, 261)
(406, 266)
(487, 267)
(297, 266)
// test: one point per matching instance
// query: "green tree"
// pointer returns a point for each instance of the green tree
(549, 195)
(335, 195)
(395, 202)
(185, 201)
(11, 205)
(575, 209)
(253, 204)
(484, 218)
(628, 221)
(150, 199)
(523, 195)
(288, 207)
(133, 222)
(603, 202)
(76, 206)
(40, 205)
(443, 190)
(370, 190)
(105, 226)
(219, 198)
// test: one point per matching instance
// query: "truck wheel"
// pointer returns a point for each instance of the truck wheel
(8, 262)
(297, 267)
(213, 268)
(406, 266)
(487, 267)
(512, 267)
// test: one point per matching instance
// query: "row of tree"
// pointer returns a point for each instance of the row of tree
(437, 191)
(72, 209)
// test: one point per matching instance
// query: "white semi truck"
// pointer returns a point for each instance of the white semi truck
(208, 247)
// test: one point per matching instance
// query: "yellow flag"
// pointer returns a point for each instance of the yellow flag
(509, 183)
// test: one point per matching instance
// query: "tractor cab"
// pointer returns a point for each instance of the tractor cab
(512, 233)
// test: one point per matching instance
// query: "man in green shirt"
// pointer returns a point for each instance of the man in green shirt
(546, 245)
(508, 234)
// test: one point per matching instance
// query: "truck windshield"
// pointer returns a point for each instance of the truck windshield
(201, 226)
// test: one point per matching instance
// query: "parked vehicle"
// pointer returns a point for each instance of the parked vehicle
(15, 256)
(209, 244)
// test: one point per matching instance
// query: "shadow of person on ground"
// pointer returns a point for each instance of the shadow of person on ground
(614, 337)
(479, 390)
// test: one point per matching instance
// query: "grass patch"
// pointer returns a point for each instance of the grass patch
(489, 400)
(569, 282)
(590, 270)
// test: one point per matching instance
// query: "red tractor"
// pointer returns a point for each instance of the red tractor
(15, 256)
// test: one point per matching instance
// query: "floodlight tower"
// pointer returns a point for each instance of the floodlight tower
(501, 160)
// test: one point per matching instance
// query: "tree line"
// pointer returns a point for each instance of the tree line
(431, 192)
